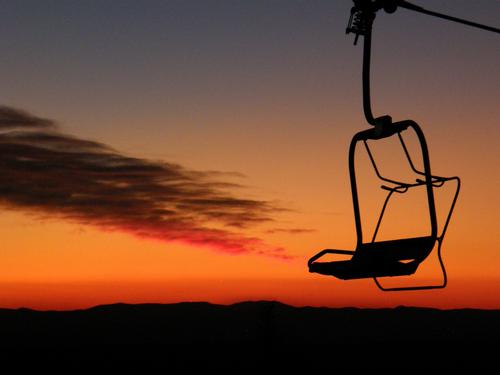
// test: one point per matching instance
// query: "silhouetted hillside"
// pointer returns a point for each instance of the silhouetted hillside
(253, 332)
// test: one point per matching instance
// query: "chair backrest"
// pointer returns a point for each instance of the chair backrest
(381, 132)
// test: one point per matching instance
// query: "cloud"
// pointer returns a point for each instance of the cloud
(52, 174)
(290, 230)
(16, 118)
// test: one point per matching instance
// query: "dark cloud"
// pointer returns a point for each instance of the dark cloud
(56, 175)
(16, 118)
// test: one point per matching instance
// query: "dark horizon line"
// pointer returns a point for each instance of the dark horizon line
(127, 305)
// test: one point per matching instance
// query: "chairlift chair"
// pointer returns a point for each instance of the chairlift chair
(399, 257)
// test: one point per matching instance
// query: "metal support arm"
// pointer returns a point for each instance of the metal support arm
(360, 23)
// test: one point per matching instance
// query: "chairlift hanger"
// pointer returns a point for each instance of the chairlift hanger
(399, 257)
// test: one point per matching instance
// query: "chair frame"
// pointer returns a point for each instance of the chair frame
(430, 182)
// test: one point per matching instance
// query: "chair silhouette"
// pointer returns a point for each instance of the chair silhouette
(400, 257)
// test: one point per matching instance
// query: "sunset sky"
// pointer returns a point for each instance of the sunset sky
(196, 150)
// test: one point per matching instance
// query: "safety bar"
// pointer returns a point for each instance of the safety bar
(439, 239)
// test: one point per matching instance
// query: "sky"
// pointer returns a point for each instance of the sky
(167, 151)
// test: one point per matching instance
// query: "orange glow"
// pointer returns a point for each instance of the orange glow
(58, 265)
(275, 102)
(461, 293)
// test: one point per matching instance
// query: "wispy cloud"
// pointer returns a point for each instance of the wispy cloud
(15, 118)
(53, 174)
(290, 230)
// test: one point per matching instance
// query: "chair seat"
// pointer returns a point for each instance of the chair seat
(378, 259)
(352, 269)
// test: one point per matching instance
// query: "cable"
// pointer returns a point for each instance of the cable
(416, 8)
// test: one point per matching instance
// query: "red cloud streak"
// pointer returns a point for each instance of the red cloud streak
(52, 174)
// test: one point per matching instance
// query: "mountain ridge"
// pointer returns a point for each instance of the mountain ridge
(249, 336)
(251, 321)
(248, 302)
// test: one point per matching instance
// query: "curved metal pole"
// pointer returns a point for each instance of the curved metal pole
(367, 44)
(361, 22)
(354, 189)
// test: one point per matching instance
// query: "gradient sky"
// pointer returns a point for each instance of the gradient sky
(252, 104)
